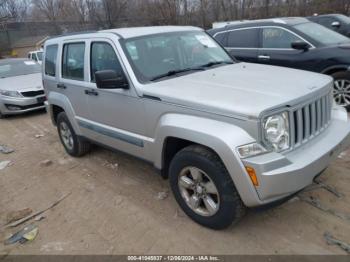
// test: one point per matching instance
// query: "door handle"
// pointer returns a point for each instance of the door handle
(264, 57)
(61, 86)
(91, 93)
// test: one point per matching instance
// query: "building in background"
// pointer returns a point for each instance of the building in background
(23, 46)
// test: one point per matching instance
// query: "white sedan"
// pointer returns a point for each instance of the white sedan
(21, 87)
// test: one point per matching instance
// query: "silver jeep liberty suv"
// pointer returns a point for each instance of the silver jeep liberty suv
(228, 135)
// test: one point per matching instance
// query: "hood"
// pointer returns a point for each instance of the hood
(30, 82)
(240, 89)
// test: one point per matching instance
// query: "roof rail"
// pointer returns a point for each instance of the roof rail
(72, 34)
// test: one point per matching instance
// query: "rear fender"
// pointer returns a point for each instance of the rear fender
(62, 101)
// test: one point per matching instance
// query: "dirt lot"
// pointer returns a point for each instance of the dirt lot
(115, 209)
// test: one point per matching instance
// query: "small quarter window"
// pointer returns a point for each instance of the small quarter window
(220, 38)
(103, 57)
(73, 61)
(50, 60)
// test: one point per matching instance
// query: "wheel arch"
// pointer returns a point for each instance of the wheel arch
(176, 132)
(335, 69)
(59, 103)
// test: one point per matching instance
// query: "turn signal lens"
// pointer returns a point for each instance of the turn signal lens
(251, 150)
(252, 175)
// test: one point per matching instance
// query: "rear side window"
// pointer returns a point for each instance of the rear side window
(278, 38)
(73, 61)
(103, 57)
(245, 38)
(50, 60)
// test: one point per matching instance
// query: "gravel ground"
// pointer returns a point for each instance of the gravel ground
(114, 205)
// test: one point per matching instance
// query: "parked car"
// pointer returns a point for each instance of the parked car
(228, 135)
(337, 22)
(292, 42)
(21, 87)
(37, 56)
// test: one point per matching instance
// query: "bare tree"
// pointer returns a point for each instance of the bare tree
(52, 11)
(14, 10)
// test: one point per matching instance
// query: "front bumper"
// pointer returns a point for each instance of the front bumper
(284, 174)
(19, 105)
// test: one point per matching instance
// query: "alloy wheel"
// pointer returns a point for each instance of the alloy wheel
(341, 92)
(199, 191)
(66, 136)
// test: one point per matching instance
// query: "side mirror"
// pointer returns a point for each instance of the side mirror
(336, 24)
(110, 79)
(299, 45)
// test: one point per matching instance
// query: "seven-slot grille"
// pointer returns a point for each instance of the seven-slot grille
(33, 93)
(310, 120)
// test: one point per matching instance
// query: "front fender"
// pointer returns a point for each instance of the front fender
(221, 137)
(62, 101)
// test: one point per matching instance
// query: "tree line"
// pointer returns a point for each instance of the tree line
(117, 13)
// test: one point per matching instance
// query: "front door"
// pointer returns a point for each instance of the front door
(116, 116)
(276, 49)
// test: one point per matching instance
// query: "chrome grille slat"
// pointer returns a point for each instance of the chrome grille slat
(323, 104)
(319, 116)
(313, 118)
(300, 126)
(309, 120)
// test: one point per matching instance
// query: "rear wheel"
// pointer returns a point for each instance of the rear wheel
(74, 145)
(204, 189)
(341, 91)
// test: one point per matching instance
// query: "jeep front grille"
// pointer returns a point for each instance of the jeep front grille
(310, 120)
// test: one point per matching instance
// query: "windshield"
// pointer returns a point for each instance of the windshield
(39, 56)
(153, 56)
(17, 68)
(321, 34)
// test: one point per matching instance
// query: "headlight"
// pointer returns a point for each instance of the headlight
(276, 131)
(10, 93)
(250, 150)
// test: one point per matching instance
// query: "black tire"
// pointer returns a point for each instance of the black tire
(80, 145)
(1, 116)
(342, 76)
(231, 208)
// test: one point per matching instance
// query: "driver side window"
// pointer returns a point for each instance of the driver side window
(278, 38)
(103, 57)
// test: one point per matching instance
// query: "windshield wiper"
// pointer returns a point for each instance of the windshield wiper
(211, 64)
(175, 72)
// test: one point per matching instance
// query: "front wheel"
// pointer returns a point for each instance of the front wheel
(341, 91)
(204, 189)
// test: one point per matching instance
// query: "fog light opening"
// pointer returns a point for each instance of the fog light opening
(13, 108)
(252, 175)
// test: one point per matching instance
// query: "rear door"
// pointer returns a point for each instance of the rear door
(50, 72)
(243, 43)
(73, 78)
(276, 49)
